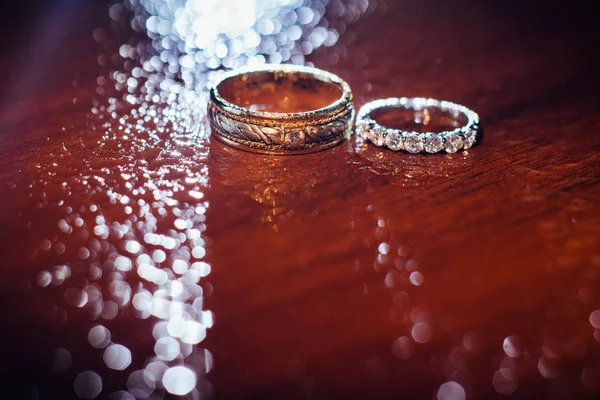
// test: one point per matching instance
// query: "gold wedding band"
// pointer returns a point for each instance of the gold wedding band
(281, 109)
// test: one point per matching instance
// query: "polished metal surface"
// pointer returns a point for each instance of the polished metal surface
(280, 133)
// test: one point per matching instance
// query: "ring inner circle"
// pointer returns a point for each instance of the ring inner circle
(278, 92)
(429, 119)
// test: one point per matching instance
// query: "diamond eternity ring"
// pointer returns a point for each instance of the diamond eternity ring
(463, 136)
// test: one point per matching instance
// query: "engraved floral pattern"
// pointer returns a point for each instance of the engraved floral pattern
(280, 137)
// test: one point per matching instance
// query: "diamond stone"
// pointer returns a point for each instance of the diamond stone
(377, 136)
(362, 127)
(453, 143)
(470, 139)
(413, 142)
(433, 143)
(394, 140)
(369, 134)
(294, 139)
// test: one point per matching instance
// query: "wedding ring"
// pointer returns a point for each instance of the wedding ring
(464, 136)
(281, 109)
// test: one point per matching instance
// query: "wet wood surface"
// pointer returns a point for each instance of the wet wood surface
(352, 273)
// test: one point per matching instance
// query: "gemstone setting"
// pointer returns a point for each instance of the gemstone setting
(413, 142)
(295, 139)
(377, 136)
(453, 142)
(433, 143)
(362, 128)
(470, 139)
(393, 140)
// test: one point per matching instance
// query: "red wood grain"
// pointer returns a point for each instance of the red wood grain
(505, 237)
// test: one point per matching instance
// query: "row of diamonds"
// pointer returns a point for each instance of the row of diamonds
(414, 142)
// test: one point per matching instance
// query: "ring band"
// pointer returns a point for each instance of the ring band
(300, 129)
(463, 137)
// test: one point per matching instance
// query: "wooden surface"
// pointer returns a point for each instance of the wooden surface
(320, 263)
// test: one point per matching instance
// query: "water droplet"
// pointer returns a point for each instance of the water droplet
(44, 278)
(99, 336)
(422, 332)
(403, 348)
(416, 278)
(512, 346)
(505, 381)
(61, 360)
(117, 357)
(87, 385)
(595, 319)
(167, 348)
(179, 380)
(451, 391)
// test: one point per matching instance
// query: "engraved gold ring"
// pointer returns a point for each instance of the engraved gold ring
(281, 109)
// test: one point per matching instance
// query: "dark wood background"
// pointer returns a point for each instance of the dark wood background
(506, 236)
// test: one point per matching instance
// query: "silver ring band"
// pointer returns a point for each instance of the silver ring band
(463, 137)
